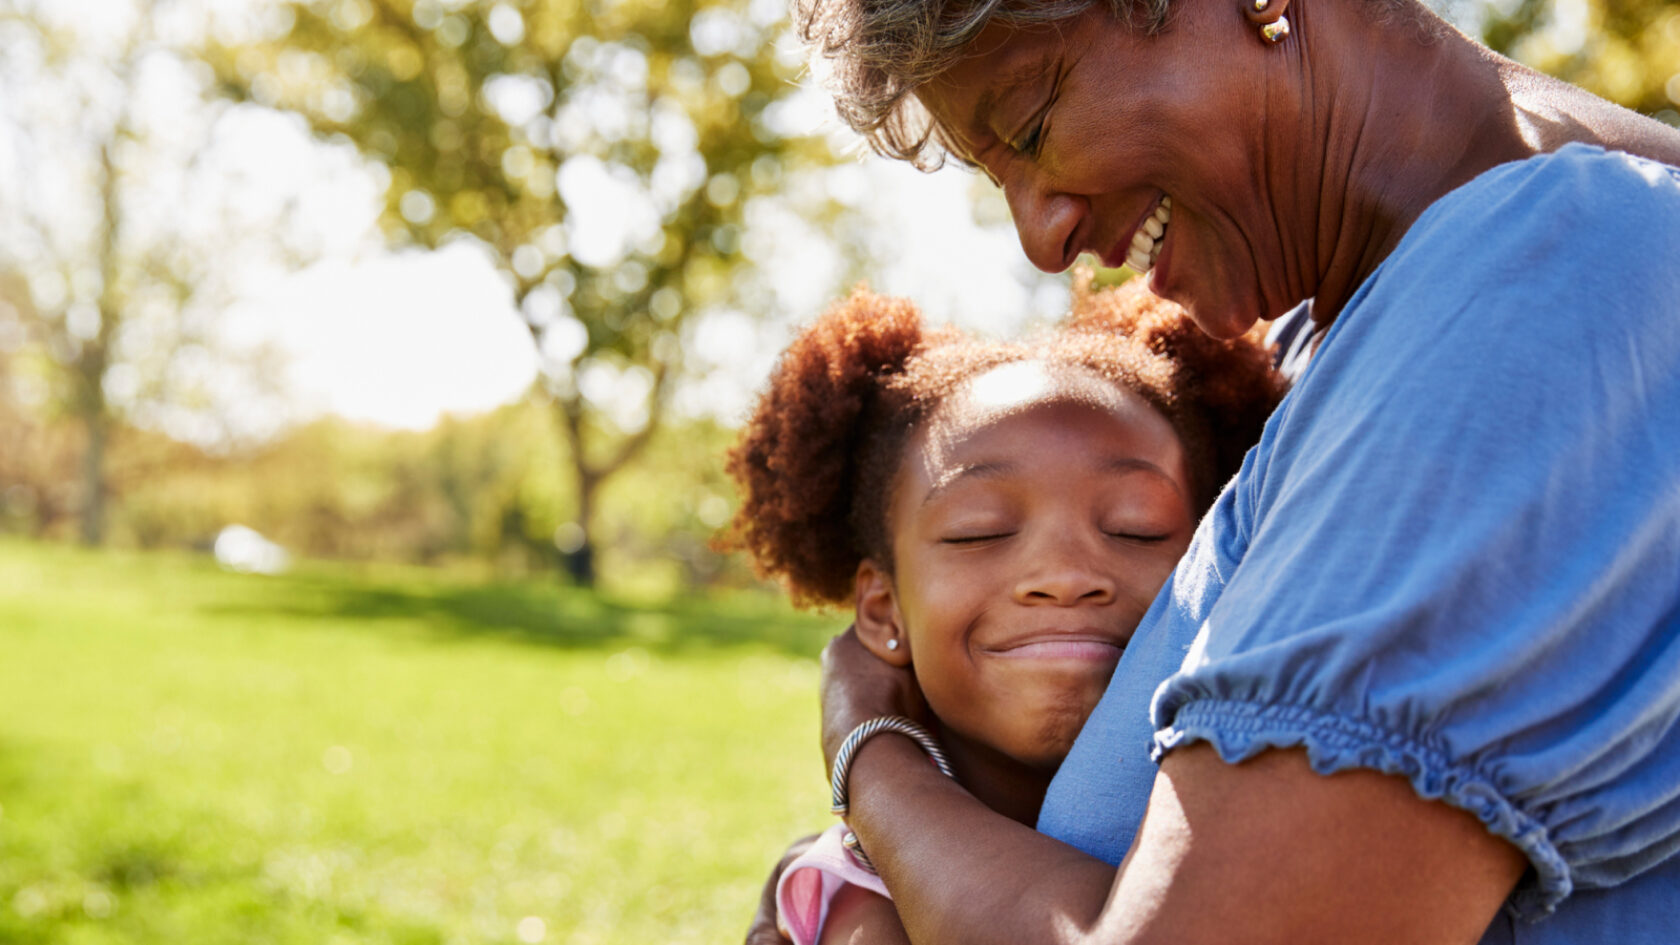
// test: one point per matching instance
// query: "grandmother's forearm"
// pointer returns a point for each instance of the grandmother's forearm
(959, 872)
(1265, 851)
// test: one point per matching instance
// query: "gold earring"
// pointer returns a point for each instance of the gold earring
(1276, 31)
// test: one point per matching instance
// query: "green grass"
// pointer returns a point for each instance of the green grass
(338, 755)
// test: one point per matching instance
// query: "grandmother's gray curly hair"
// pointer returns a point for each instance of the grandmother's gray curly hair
(873, 54)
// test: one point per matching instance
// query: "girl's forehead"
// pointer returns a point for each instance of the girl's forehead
(1019, 386)
(993, 401)
(1010, 384)
(1036, 418)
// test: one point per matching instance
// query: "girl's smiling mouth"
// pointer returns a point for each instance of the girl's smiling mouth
(1089, 646)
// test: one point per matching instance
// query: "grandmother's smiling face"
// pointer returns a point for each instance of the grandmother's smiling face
(1129, 146)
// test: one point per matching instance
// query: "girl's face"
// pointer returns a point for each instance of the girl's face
(1033, 520)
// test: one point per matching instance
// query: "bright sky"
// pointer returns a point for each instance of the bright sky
(399, 338)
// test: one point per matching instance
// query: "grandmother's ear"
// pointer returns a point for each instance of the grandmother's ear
(879, 626)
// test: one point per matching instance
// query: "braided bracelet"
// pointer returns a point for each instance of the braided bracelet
(861, 734)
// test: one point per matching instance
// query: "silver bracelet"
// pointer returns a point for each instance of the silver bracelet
(861, 734)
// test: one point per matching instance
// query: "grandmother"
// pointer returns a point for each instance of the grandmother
(1418, 677)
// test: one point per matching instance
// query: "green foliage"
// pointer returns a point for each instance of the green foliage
(1625, 50)
(120, 243)
(193, 756)
(483, 111)
(478, 490)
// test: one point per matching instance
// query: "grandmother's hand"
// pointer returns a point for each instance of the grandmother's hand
(858, 686)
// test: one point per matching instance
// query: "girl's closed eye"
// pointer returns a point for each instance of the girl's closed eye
(976, 538)
(1143, 530)
(1140, 538)
(973, 528)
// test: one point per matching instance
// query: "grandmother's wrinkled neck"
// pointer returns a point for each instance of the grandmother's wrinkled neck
(1403, 109)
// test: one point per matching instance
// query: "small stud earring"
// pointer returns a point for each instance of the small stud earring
(892, 644)
(1261, 5)
(1276, 31)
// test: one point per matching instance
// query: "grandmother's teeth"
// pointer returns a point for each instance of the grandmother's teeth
(1146, 242)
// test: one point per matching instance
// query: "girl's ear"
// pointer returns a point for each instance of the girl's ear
(879, 625)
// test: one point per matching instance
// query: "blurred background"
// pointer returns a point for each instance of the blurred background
(366, 369)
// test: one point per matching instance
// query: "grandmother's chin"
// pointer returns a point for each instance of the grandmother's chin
(1221, 317)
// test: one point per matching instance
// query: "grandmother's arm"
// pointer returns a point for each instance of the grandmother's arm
(1264, 851)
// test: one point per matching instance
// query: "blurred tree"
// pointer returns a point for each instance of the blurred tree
(604, 152)
(115, 276)
(1625, 50)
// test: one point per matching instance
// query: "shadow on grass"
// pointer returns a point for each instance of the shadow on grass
(547, 614)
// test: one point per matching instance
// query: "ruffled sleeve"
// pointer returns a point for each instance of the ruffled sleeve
(1457, 550)
(811, 881)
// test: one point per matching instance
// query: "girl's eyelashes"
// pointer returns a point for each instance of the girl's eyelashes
(974, 539)
(1141, 539)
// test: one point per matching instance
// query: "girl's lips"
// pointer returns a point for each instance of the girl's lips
(1062, 647)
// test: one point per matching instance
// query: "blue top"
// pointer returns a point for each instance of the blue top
(1454, 555)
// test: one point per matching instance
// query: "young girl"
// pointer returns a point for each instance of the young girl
(999, 516)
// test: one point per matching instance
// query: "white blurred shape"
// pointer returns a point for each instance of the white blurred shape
(564, 339)
(608, 210)
(619, 392)
(399, 339)
(517, 98)
(532, 929)
(244, 549)
(506, 25)
(719, 30)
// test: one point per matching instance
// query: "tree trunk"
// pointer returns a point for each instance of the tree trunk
(580, 564)
(93, 479)
(580, 561)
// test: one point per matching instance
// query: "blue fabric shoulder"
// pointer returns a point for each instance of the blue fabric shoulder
(1472, 499)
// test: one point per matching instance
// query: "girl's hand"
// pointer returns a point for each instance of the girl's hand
(858, 686)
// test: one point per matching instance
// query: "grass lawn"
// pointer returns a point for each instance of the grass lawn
(342, 755)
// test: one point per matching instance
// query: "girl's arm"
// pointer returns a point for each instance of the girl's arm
(860, 917)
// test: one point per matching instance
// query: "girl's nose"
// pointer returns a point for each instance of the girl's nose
(1064, 577)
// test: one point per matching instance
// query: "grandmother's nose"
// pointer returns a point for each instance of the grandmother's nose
(1047, 222)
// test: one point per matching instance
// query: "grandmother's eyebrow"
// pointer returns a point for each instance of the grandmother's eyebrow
(980, 119)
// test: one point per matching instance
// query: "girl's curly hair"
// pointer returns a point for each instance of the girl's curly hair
(817, 458)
